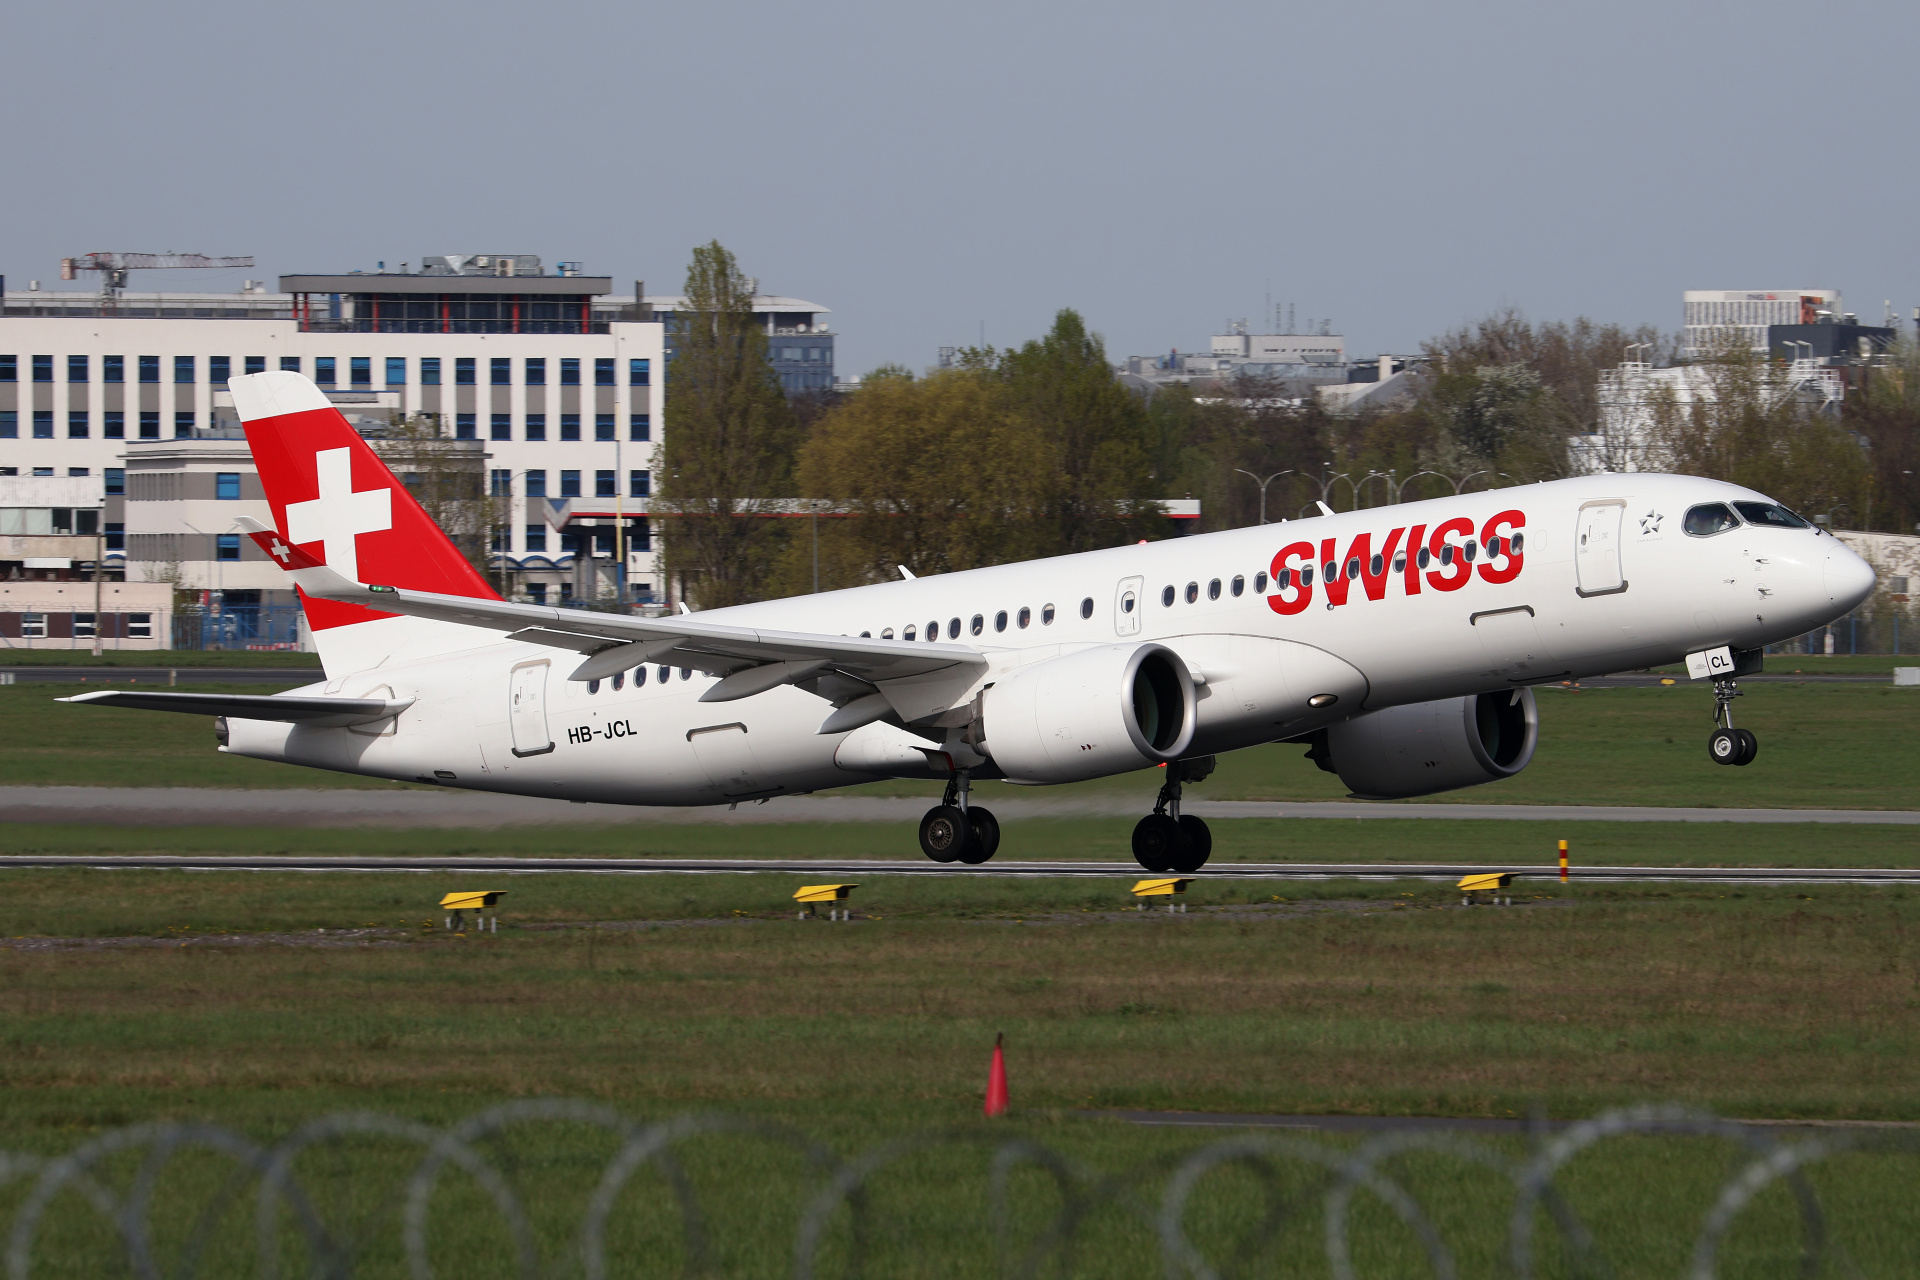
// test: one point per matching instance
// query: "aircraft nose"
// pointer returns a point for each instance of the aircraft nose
(1850, 580)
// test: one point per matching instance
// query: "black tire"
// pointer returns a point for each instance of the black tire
(986, 836)
(1749, 746)
(1158, 843)
(1724, 747)
(944, 833)
(1199, 840)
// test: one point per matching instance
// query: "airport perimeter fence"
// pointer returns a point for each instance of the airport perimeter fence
(460, 1202)
(1891, 630)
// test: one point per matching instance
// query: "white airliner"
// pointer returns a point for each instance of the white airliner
(1397, 643)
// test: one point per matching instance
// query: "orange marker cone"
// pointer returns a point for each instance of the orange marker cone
(997, 1081)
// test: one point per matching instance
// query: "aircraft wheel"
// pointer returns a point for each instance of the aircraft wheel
(986, 836)
(1749, 746)
(944, 833)
(1724, 747)
(1199, 842)
(1159, 844)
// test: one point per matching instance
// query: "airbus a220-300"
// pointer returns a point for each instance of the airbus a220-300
(1399, 644)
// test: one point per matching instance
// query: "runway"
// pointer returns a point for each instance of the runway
(851, 869)
(447, 808)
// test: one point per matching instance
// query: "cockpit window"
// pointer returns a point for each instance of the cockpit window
(1770, 513)
(1710, 518)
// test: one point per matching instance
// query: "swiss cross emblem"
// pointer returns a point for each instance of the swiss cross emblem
(339, 515)
(280, 551)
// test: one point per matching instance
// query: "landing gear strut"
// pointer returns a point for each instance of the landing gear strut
(954, 831)
(1166, 839)
(1729, 745)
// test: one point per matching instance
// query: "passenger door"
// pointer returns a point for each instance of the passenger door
(1128, 606)
(527, 709)
(1596, 551)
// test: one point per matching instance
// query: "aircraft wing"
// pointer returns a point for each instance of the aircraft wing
(748, 659)
(319, 712)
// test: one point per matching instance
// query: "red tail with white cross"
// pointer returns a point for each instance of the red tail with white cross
(334, 501)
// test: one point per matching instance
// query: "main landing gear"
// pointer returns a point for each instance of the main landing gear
(1729, 745)
(954, 831)
(1168, 840)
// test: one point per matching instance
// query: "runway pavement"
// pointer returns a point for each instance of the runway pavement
(317, 807)
(850, 868)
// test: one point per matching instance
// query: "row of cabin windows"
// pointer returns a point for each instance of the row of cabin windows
(326, 370)
(619, 680)
(1331, 570)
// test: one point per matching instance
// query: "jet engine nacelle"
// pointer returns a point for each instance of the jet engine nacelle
(1426, 747)
(1089, 714)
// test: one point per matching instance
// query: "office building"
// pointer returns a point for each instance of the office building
(1714, 318)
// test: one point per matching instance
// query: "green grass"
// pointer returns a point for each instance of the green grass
(84, 657)
(1359, 999)
(1472, 841)
(1822, 746)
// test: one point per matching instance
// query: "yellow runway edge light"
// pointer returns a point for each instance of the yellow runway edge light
(1168, 888)
(814, 894)
(1484, 887)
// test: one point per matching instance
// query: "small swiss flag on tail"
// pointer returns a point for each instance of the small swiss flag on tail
(334, 502)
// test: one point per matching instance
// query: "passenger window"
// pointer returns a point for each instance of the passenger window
(1086, 607)
(619, 681)
(1166, 598)
(1768, 513)
(911, 633)
(977, 625)
(686, 673)
(1470, 549)
(886, 633)
(953, 628)
(1400, 562)
(1193, 592)
(1126, 603)
(1046, 615)
(1353, 568)
(1708, 519)
(1423, 559)
(933, 631)
(1285, 579)
(1239, 584)
(866, 635)
(593, 686)
(1446, 555)
(1025, 617)
(666, 674)
(1518, 543)
(639, 677)
(1376, 566)
(1000, 620)
(1306, 575)
(1259, 584)
(1330, 571)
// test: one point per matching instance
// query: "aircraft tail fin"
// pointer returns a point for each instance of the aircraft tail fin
(336, 503)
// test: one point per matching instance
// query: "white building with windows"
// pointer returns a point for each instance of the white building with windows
(1714, 318)
(557, 379)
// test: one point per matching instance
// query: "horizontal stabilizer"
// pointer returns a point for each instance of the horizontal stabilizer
(321, 713)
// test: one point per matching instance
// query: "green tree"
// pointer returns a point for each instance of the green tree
(932, 473)
(727, 440)
(1062, 388)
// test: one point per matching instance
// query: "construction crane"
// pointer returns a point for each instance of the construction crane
(113, 267)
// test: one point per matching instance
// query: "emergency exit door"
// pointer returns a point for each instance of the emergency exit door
(527, 710)
(1596, 548)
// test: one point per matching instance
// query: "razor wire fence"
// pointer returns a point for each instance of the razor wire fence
(461, 1202)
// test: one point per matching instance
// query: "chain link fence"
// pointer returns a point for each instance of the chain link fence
(456, 1201)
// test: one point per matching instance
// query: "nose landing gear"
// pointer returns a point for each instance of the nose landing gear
(953, 831)
(1729, 745)
(1168, 840)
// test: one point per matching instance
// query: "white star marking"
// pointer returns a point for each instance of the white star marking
(280, 551)
(339, 515)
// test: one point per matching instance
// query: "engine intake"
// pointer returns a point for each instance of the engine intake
(1426, 747)
(1089, 714)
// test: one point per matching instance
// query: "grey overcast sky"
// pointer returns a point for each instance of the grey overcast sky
(930, 170)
